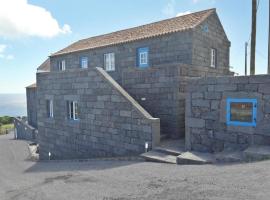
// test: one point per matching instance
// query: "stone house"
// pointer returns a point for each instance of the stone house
(110, 95)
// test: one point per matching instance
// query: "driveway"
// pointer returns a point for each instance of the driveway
(110, 180)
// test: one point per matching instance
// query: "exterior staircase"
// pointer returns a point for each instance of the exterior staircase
(173, 152)
(167, 152)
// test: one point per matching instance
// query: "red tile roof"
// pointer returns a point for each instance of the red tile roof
(45, 66)
(34, 85)
(167, 26)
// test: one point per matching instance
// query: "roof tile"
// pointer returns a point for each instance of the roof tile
(167, 26)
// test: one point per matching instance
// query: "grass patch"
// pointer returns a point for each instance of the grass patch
(5, 127)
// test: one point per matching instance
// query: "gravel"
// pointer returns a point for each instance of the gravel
(23, 179)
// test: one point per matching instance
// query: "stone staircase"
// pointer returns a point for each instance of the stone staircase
(167, 152)
(173, 152)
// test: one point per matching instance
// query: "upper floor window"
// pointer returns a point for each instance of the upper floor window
(62, 65)
(109, 61)
(49, 105)
(142, 56)
(213, 58)
(72, 107)
(84, 62)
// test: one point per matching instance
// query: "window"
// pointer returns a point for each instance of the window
(241, 112)
(62, 65)
(142, 56)
(49, 105)
(72, 108)
(109, 61)
(84, 62)
(213, 58)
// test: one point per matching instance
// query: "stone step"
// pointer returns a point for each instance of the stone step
(168, 151)
(229, 157)
(195, 158)
(257, 153)
(155, 156)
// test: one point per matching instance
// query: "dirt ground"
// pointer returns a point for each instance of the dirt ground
(23, 179)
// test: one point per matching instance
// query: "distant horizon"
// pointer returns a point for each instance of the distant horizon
(13, 104)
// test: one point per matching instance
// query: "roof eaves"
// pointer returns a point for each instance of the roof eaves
(122, 42)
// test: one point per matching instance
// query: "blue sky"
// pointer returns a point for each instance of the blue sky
(31, 30)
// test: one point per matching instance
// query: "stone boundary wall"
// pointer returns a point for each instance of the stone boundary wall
(24, 131)
(111, 122)
(161, 91)
(31, 96)
(206, 127)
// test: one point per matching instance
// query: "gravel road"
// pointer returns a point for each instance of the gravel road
(23, 179)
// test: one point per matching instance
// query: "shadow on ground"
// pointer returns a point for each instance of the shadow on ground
(60, 166)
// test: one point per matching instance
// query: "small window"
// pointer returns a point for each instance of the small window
(49, 105)
(109, 61)
(213, 58)
(62, 65)
(142, 56)
(241, 112)
(84, 62)
(72, 107)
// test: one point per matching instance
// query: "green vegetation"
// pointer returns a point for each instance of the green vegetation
(6, 123)
(6, 120)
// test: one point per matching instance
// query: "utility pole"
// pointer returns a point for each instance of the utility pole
(269, 40)
(246, 46)
(253, 37)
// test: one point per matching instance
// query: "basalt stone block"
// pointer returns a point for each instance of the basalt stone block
(201, 103)
(195, 122)
(213, 95)
(264, 88)
(225, 87)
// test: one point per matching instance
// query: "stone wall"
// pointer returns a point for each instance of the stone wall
(111, 123)
(24, 131)
(190, 47)
(161, 91)
(165, 49)
(206, 127)
(31, 97)
(210, 34)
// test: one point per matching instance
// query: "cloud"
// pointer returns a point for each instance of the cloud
(10, 57)
(3, 54)
(2, 48)
(182, 13)
(169, 9)
(18, 18)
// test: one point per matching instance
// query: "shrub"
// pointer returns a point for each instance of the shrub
(6, 120)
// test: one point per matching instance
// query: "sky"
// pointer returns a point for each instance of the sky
(31, 30)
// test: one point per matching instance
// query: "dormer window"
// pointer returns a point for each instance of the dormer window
(62, 65)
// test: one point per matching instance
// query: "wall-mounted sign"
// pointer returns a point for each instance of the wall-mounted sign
(241, 112)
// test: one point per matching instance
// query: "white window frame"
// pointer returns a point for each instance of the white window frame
(49, 103)
(62, 65)
(73, 110)
(213, 61)
(109, 61)
(84, 62)
(143, 58)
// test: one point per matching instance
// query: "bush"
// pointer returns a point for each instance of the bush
(6, 120)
